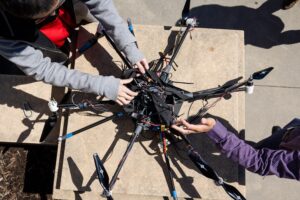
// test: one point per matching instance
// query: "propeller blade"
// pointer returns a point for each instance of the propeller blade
(48, 127)
(262, 74)
(186, 10)
(233, 192)
(101, 172)
(231, 82)
(204, 168)
(207, 171)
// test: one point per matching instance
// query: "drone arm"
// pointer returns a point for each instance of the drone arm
(136, 134)
(220, 91)
(167, 162)
(204, 94)
(165, 73)
(71, 134)
(188, 28)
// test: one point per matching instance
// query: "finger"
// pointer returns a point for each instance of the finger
(183, 130)
(124, 101)
(126, 81)
(145, 63)
(129, 92)
(141, 67)
(119, 102)
(179, 129)
(137, 74)
(188, 125)
(174, 126)
(126, 96)
(178, 122)
(195, 128)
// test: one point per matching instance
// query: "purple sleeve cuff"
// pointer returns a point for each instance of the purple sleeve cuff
(218, 133)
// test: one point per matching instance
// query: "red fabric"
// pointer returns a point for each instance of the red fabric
(59, 29)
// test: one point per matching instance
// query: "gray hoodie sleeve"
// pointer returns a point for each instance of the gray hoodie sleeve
(33, 63)
(106, 13)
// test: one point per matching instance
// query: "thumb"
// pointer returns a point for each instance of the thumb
(126, 81)
(204, 121)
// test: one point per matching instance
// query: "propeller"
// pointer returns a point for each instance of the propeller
(231, 82)
(102, 175)
(186, 10)
(233, 192)
(261, 74)
(49, 126)
(207, 171)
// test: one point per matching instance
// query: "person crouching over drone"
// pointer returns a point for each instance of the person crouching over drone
(33, 32)
(281, 159)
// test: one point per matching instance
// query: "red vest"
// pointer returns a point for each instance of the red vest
(59, 29)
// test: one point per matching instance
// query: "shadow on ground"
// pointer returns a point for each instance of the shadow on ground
(262, 28)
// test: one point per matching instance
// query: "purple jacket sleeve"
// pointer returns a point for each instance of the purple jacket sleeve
(281, 163)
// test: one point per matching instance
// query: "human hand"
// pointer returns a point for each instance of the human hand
(125, 95)
(142, 65)
(206, 125)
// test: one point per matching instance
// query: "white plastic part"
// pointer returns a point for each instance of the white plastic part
(106, 193)
(191, 21)
(52, 104)
(249, 89)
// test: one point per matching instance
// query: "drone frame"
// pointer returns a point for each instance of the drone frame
(181, 96)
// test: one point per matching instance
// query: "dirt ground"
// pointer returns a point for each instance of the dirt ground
(26, 172)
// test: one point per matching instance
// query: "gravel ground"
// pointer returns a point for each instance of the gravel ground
(26, 173)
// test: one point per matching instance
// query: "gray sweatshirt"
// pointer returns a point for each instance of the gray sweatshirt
(32, 62)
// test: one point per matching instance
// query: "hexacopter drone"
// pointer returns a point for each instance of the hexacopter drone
(157, 106)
